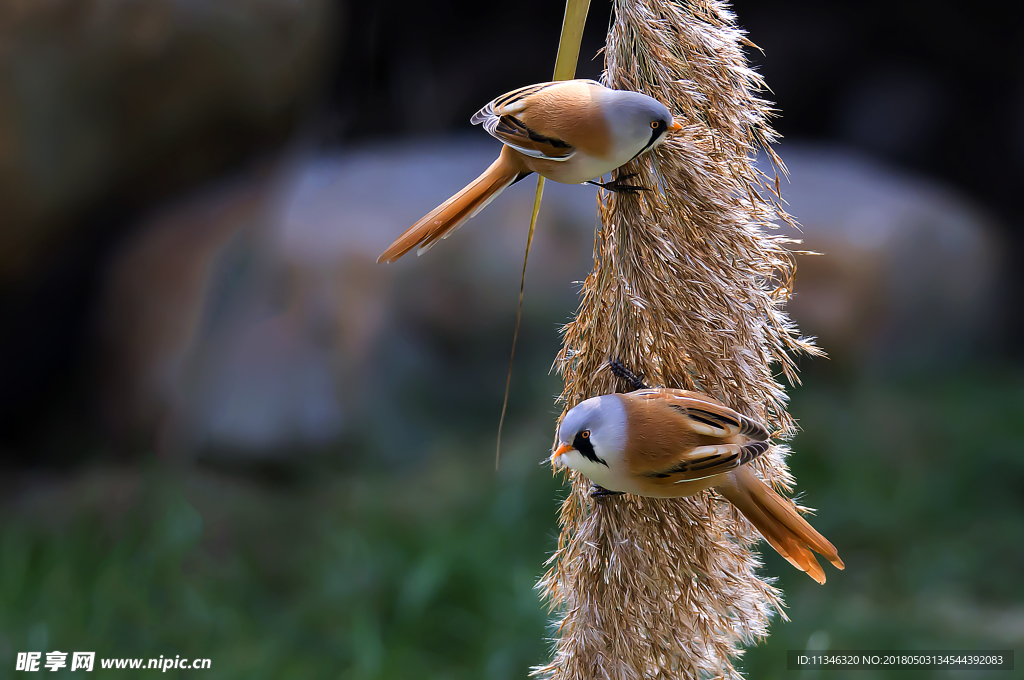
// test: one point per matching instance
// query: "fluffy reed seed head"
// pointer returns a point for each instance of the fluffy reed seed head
(688, 289)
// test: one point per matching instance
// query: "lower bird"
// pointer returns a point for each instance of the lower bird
(669, 443)
(571, 131)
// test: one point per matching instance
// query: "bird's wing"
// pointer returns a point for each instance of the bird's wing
(509, 103)
(705, 415)
(686, 436)
(514, 132)
(706, 461)
(503, 118)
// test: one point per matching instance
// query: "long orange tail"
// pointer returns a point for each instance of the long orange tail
(449, 216)
(779, 522)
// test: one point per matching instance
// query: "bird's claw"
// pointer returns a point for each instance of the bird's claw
(620, 371)
(601, 492)
(617, 186)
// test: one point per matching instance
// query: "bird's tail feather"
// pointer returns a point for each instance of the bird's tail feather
(444, 219)
(779, 522)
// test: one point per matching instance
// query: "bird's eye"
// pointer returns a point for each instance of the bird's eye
(585, 434)
(655, 124)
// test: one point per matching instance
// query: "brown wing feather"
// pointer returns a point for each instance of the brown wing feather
(710, 417)
(550, 120)
(677, 436)
(658, 434)
(574, 112)
(505, 104)
(518, 135)
(707, 461)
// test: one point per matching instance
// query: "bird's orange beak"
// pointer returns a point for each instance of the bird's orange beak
(564, 448)
(676, 126)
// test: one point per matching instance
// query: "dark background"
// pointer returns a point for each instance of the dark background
(318, 498)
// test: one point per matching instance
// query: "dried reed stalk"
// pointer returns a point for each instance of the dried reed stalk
(687, 289)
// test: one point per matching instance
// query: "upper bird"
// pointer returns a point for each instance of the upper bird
(570, 131)
(673, 443)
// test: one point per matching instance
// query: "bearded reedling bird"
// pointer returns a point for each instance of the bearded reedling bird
(669, 443)
(571, 131)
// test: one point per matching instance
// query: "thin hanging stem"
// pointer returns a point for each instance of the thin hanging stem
(565, 69)
(519, 313)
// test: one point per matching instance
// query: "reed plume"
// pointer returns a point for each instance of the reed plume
(688, 288)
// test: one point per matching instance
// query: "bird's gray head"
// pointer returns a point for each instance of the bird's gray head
(640, 121)
(592, 433)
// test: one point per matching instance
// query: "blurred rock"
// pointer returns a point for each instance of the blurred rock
(303, 339)
(106, 101)
(291, 334)
(155, 290)
(909, 271)
(340, 342)
(107, 109)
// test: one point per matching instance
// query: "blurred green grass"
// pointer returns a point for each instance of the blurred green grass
(920, 483)
(380, 571)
